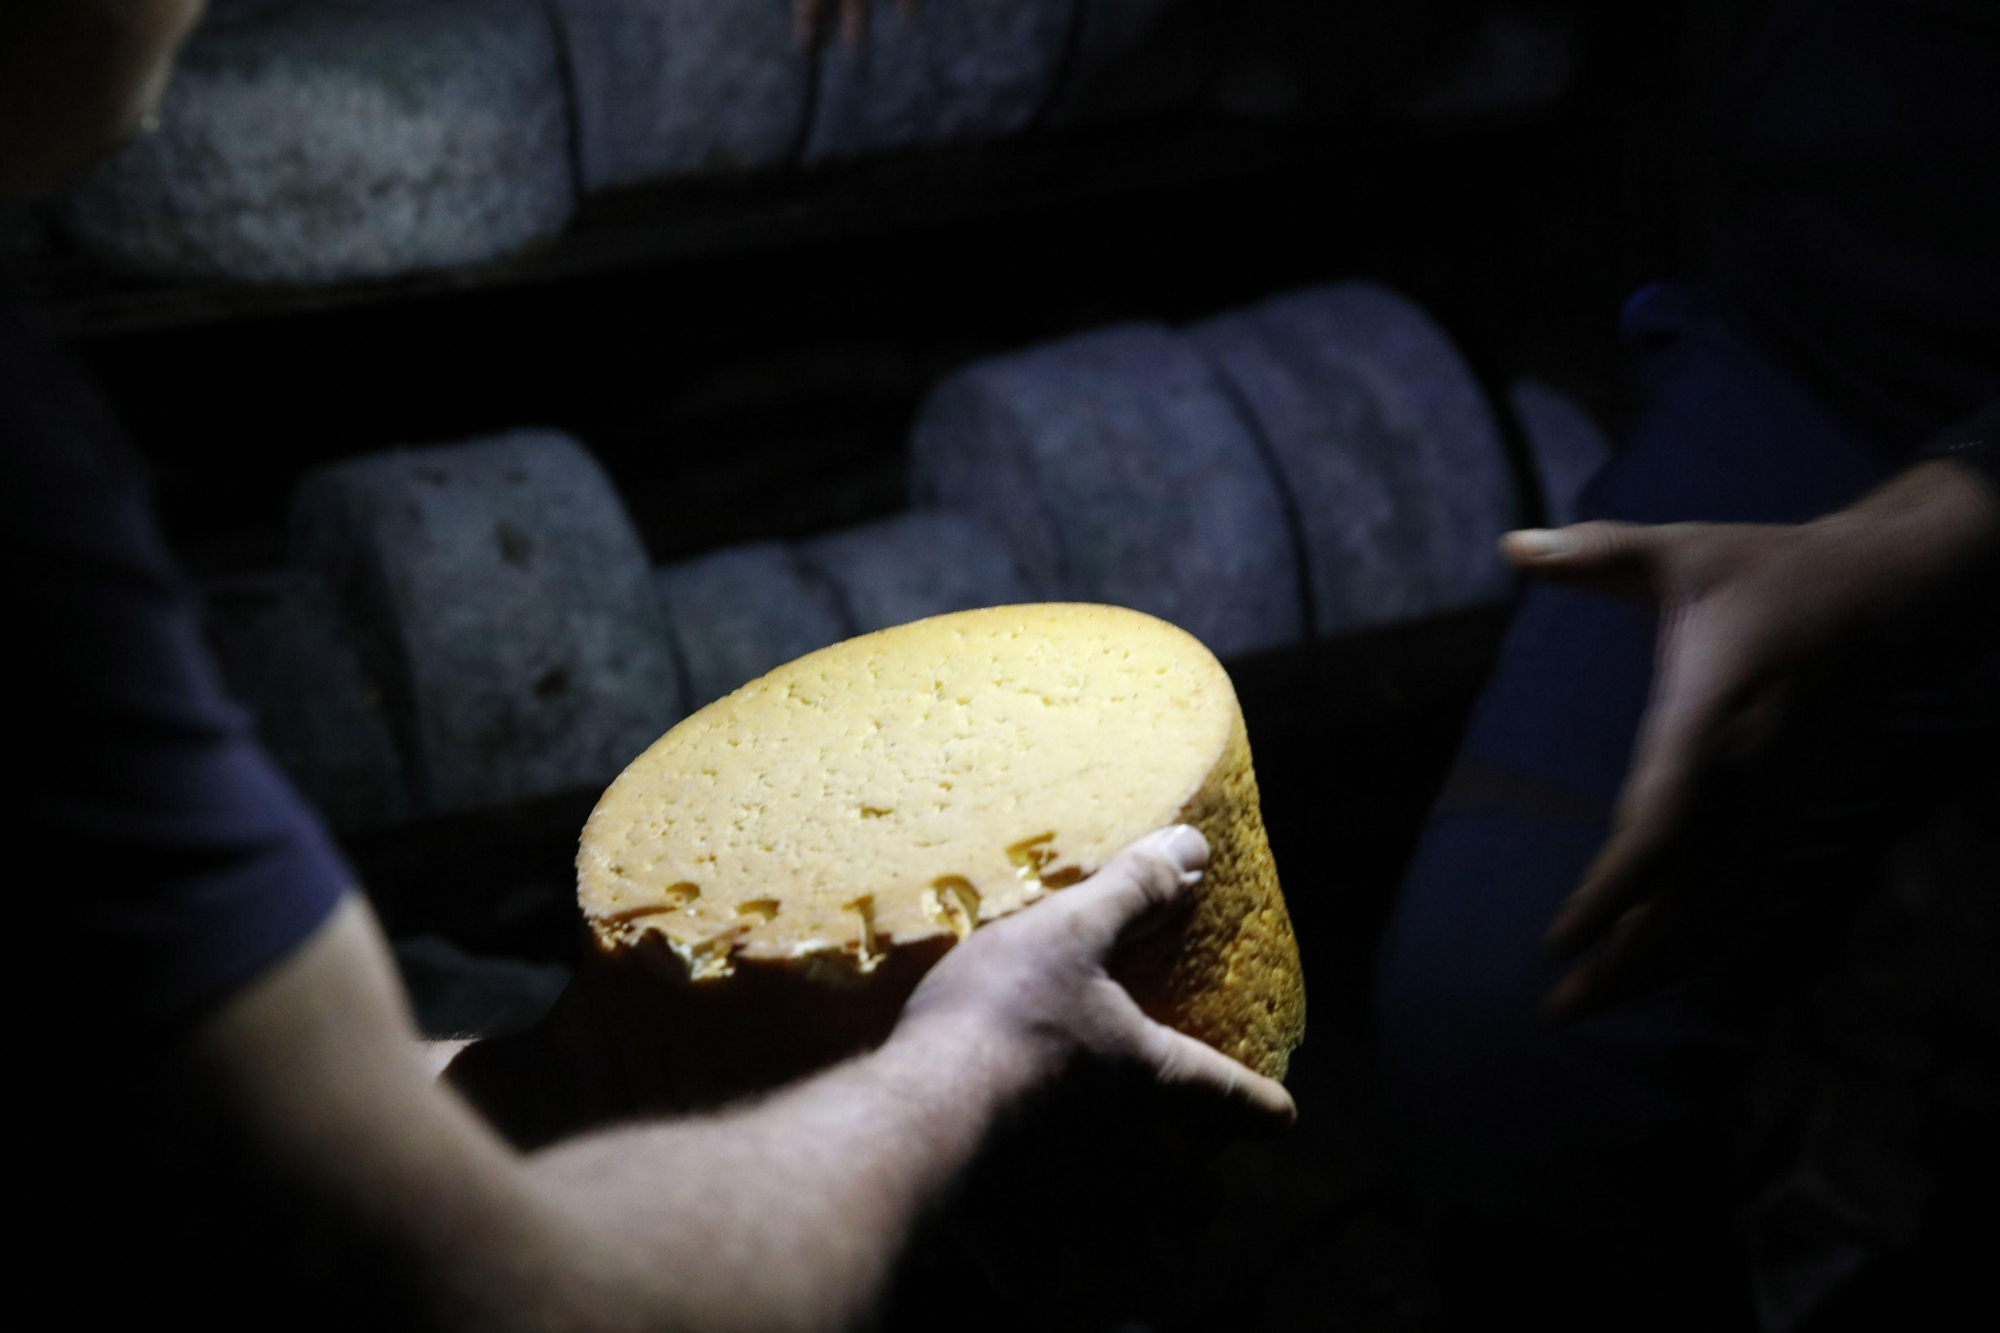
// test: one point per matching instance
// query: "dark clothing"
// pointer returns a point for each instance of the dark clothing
(1852, 323)
(1607, 1131)
(160, 853)
(1622, 1140)
(158, 863)
(1860, 147)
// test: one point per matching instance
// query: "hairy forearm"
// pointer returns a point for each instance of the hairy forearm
(785, 1214)
(789, 1213)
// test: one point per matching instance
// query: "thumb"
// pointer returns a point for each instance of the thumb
(1620, 559)
(1151, 874)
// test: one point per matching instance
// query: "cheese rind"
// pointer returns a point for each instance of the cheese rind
(818, 838)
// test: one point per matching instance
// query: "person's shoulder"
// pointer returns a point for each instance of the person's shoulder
(57, 432)
(74, 496)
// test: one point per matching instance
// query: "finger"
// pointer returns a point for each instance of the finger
(1650, 814)
(1646, 952)
(1147, 877)
(1179, 1060)
(1677, 734)
(807, 16)
(855, 15)
(1615, 558)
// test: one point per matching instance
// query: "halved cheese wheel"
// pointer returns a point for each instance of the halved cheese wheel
(767, 882)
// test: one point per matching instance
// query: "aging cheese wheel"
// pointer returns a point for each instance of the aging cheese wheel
(767, 882)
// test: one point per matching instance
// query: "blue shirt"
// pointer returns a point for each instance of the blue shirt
(166, 859)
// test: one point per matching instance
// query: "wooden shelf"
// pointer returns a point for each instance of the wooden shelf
(688, 222)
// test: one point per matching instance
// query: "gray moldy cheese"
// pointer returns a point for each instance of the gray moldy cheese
(785, 863)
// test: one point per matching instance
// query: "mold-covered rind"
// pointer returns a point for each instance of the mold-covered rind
(1234, 978)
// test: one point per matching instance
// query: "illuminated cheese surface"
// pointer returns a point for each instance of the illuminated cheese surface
(889, 794)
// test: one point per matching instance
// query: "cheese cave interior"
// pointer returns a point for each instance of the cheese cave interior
(515, 379)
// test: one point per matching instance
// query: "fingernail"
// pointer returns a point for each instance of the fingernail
(1540, 543)
(1188, 849)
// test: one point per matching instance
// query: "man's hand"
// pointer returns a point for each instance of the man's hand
(788, 1211)
(1036, 986)
(1745, 611)
(812, 19)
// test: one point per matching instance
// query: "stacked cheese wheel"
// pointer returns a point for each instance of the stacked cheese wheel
(1313, 465)
(504, 601)
(323, 140)
(317, 141)
(767, 883)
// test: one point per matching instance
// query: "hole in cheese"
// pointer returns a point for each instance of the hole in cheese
(953, 903)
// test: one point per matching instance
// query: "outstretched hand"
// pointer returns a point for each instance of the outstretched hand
(1745, 611)
(1036, 981)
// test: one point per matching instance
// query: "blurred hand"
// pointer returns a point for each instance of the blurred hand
(1745, 611)
(77, 80)
(812, 20)
(1035, 982)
